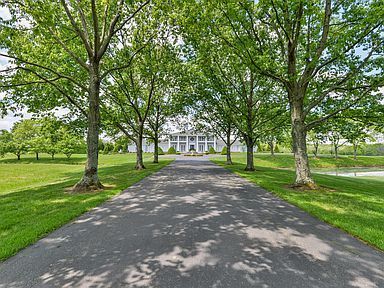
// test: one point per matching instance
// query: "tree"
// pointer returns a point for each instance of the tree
(214, 114)
(63, 39)
(169, 100)
(69, 142)
(51, 132)
(22, 133)
(335, 135)
(5, 142)
(356, 132)
(171, 150)
(136, 92)
(248, 94)
(320, 52)
(317, 136)
(108, 147)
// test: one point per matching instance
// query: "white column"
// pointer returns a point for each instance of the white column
(214, 142)
(178, 143)
(187, 143)
(206, 143)
(169, 141)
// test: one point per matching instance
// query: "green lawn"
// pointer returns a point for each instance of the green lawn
(33, 200)
(355, 205)
(324, 161)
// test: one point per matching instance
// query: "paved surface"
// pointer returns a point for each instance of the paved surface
(194, 224)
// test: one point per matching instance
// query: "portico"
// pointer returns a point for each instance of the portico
(184, 142)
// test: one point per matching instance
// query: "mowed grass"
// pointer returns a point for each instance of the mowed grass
(355, 205)
(33, 197)
(323, 161)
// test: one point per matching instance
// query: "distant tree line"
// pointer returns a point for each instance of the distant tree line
(45, 135)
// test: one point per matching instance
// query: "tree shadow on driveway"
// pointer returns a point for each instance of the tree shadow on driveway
(194, 224)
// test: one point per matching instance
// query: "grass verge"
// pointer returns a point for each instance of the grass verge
(33, 201)
(352, 204)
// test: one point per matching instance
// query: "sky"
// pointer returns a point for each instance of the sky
(7, 122)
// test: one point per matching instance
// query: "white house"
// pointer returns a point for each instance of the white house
(190, 140)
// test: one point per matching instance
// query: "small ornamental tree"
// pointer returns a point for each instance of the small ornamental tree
(171, 150)
(22, 133)
(117, 148)
(108, 147)
(69, 143)
(160, 151)
(224, 151)
(5, 142)
(211, 150)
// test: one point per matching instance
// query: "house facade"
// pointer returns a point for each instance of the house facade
(190, 140)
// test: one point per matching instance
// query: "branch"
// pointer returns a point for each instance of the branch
(77, 29)
(69, 98)
(46, 68)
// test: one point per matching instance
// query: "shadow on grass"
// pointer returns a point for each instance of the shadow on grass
(29, 214)
(197, 226)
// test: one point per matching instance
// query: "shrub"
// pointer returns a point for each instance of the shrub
(160, 151)
(171, 150)
(224, 151)
(277, 149)
(108, 147)
(117, 148)
(211, 150)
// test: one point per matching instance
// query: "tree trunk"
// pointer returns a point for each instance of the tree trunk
(250, 166)
(156, 152)
(299, 133)
(90, 179)
(18, 156)
(53, 156)
(229, 158)
(37, 155)
(355, 146)
(139, 152)
(271, 148)
(316, 146)
(336, 149)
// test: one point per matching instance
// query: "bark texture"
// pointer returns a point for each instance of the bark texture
(156, 152)
(228, 143)
(139, 153)
(90, 179)
(355, 146)
(299, 134)
(272, 148)
(250, 165)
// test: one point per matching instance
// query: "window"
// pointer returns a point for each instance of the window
(173, 138)
(201, 148)
(210, 138)
(182, 138)
(174, 146)
(192, 139)
(182, 147)
(201, 138)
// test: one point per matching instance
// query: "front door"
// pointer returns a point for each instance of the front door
(191, 147)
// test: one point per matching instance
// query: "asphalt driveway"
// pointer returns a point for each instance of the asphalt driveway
(194, 224)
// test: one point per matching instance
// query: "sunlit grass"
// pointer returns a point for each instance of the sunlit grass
(355, 205)
(33, 200)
